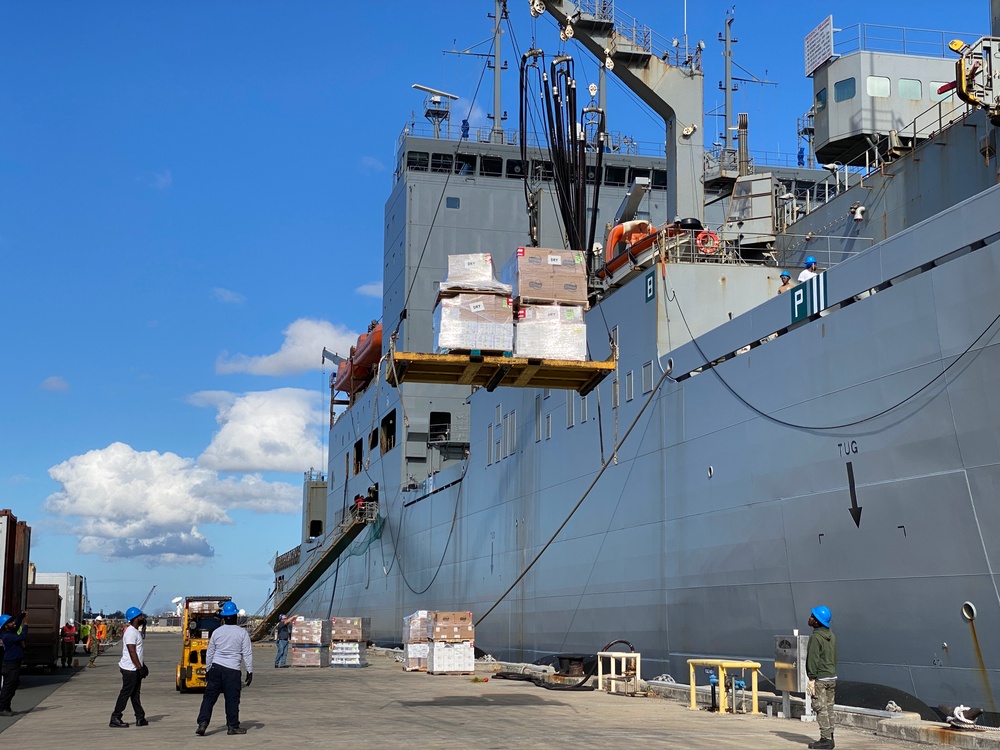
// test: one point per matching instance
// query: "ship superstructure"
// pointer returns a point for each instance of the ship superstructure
(752, 454)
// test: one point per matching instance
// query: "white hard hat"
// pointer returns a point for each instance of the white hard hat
(99, 618)
(71, 622)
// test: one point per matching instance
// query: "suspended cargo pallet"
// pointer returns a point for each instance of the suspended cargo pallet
(493, 371)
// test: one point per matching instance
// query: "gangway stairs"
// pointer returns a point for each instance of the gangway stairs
(355, 521)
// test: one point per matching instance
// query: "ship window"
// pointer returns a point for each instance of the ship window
(615, 175)
(910, 88)
(570, 409)
(497, 420)
(489, 444)
(546, 392)
(465, 164)
(541, 169)
(658, 179)
(492, 166)
(935, 96)
(820, 100)
(647, 377)
(373, 441)
(844, 90)
(388, 431)
(498, 434)
(629, 386)
(452, 202)
(583, 408)
(614, 393)
(538, 418)
(439, 426)
(516, 168)
(417, 160)
(441, 163)
(548, 426)
(511, 433)
(315, 528)
(358, 456)
(591, 174)
(877, 86)
(634, 172)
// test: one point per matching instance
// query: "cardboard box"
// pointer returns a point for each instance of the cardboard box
(350, 628)
(470, 268)
(450, 626)
(310, 656)
(415, 627)
(541, 275)
(550, 332)
(349, 654)
(415, 656)
(449, 658)
(311, 632)
(479, 321)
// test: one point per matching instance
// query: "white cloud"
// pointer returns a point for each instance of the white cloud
(301, 351)
(371, 289)
(143, 504)
(55, 383)
(225, 295)
(275, 430)
(163, 180)
(371, 164)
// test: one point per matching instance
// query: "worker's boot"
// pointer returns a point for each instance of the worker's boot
(200, 731)
(822, 744)
(117, 723)
(236, 730)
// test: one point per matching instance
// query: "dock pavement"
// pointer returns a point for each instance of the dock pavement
(381, 706)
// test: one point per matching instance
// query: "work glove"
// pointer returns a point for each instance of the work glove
(811, 688)
(144, 672)
(249, 678)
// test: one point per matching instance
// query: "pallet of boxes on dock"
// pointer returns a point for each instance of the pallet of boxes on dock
(474, 311)
(310, 643)
(549, 291)
(415, 645)
(349, 641)
(451, 647)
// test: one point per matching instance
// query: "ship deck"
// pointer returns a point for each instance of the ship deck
(383, 707)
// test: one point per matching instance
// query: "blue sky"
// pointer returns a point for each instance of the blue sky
(191, 209)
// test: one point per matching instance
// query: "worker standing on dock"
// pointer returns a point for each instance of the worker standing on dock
(98, 634)
(821, 669)
(68, 637)
(133, 669)
(12, 635)
(228, 645)
(283, 635)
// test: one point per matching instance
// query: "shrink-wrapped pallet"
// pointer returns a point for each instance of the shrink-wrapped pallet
(445, 657)
(310, 656)
(541, 275)
(450, 626)
(348, 654)
(415, 627)
(415, 656)
(550, 332)
(474, 321)
(350, 628)
(311, 632)
(472, 272)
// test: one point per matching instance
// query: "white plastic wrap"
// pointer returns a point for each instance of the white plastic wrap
(472, 272)
(471, 321)
(550, 332)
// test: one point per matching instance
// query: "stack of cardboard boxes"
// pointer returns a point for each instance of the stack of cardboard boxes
(451, 636)
(349, 641)
(473, 311)
(549, 292)
(310, 643)
(415, 641)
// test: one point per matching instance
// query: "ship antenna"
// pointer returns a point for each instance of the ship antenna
(496, 134)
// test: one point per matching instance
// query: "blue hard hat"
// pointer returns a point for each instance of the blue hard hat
(131, 613)
(3, 620)
(229, 609)
(784, 274)
(822, 614)
(810, 261)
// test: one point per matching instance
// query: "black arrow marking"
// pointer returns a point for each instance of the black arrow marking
(855, 508)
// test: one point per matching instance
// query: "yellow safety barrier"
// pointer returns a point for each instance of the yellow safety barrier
(722, 665)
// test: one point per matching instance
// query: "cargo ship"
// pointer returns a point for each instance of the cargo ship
(750, 454)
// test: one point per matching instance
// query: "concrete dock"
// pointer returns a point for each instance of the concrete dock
(382, 706)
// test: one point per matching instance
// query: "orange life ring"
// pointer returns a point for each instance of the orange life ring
(708, 242)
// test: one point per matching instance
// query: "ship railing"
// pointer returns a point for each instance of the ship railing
(898, 40)
(828, 250)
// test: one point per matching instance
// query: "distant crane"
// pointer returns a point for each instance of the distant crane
(146, 600)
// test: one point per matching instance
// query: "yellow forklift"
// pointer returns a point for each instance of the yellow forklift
(199, 619)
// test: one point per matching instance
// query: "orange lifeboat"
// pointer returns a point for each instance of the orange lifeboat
(345, 380)
(637, 236)
(368, 351)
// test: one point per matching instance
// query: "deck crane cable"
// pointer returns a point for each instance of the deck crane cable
(854, 423)
(586, 492)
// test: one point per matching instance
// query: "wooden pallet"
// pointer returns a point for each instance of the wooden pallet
(458, 673)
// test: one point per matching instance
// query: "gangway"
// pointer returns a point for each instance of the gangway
(355, 520)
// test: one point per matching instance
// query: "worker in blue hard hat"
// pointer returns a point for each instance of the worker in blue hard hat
(133, 669)
(786, 282)
(810, 270)
(821, 669)
(12, 636)
(228, 646)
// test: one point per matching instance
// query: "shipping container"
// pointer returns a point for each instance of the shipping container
(15, 547)
(71, 591)
(44, 605)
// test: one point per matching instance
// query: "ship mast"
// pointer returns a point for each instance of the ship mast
(500, 13)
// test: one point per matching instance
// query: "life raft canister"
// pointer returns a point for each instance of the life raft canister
(708, 242)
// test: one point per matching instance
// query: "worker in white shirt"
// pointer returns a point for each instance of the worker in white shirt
(228, 646)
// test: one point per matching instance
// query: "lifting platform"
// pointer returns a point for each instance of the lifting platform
(491, 371)
(347, 531)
